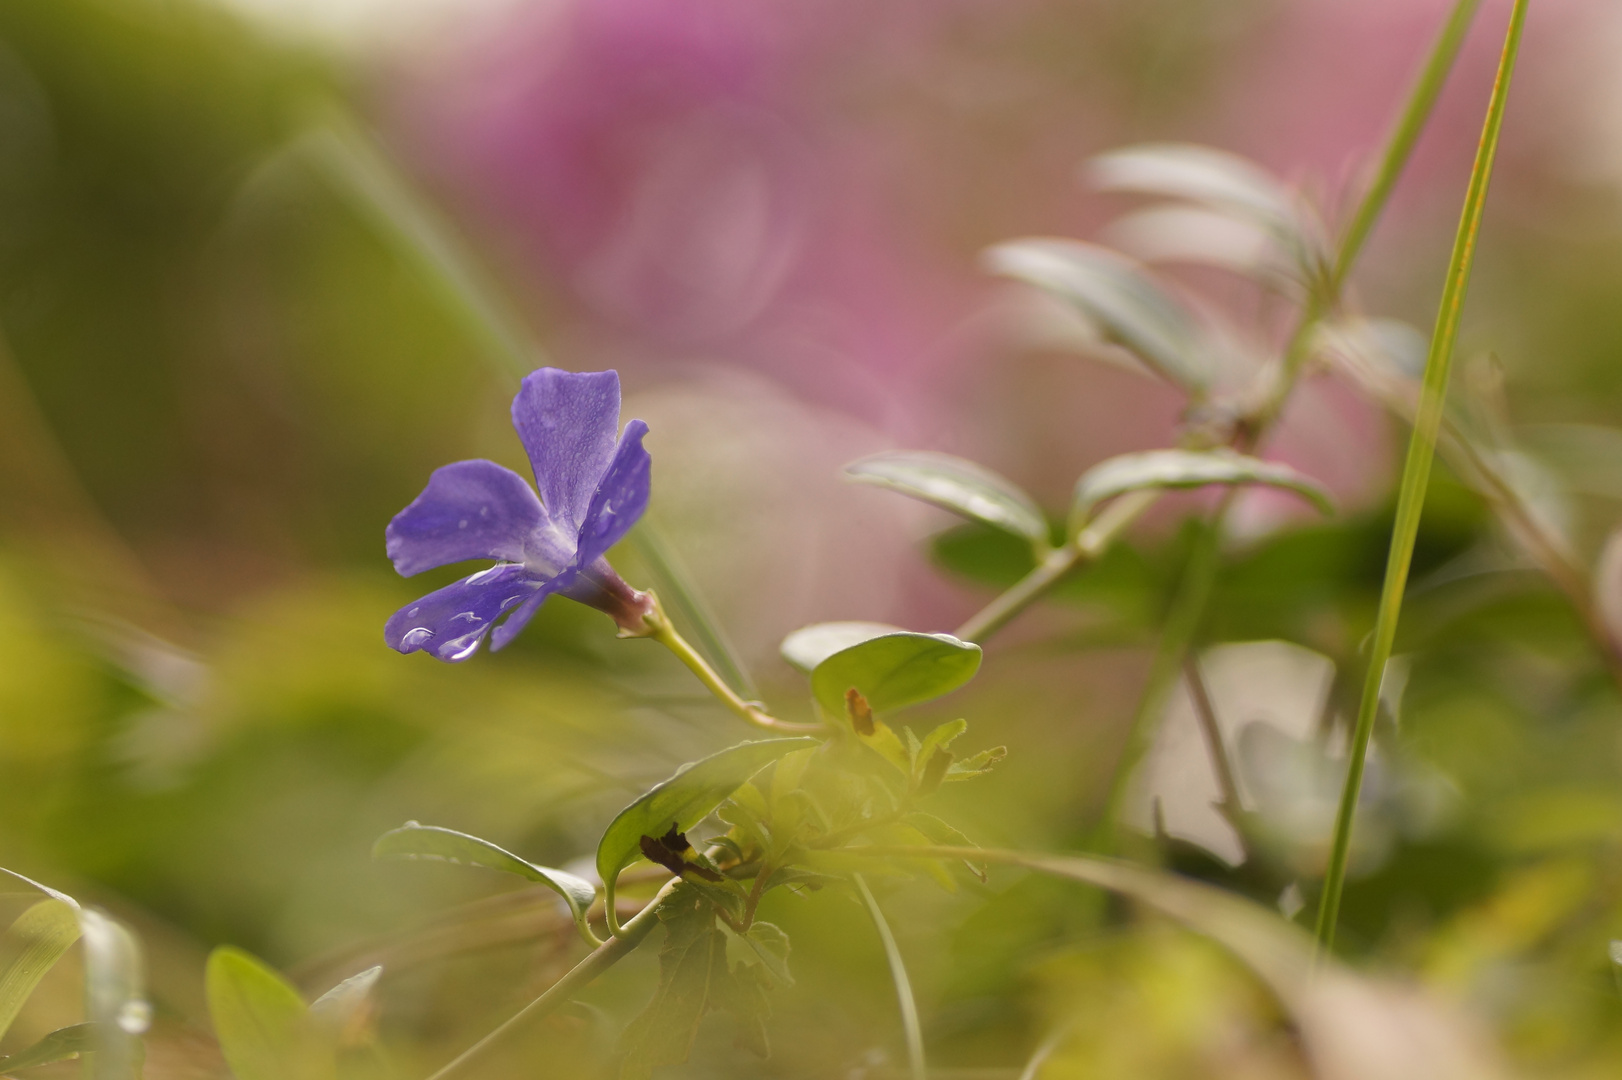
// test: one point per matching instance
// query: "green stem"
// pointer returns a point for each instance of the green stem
(581, 975)
(1416, 474)
(1400, 146)
(903, 986)
(664, 632)
(1088, 545)
(1182, 623)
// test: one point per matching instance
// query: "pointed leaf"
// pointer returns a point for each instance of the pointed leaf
(683, 801)
(810, 645)
(59, 1045)
(1128, 307)
(261, 1022)
(347, 1005)
(30, 948)
(895, 670)
(957, 485)
(1198, 174)
(1185, 469)
(414, 841)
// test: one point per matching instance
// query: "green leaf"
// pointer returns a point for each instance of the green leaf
(894, 671)
(115, 995)
(30, 948)
(763, 944)
(683, 801)
(261, 1022)
(810, 645)
(692, 963)
(1198, 174)
(1185, 469)
(414, 841)
(59, 1045)
(1119, 297)
(957, 485)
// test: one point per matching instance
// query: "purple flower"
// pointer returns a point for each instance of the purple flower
(592, 490)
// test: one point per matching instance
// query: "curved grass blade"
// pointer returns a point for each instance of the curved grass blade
(955, 484)
(903, 986)
(681, 802)
(810, 645)
(1351, 1027)
(29, 948)
(1416, 475)
(431, 842)
(674, 584)
(1185, 469)
(1125, 303)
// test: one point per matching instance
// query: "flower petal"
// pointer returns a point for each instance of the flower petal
(567, 422)
(451, 622)
(469, 510)
(620, 499)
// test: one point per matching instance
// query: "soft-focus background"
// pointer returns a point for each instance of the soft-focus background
(264, 264)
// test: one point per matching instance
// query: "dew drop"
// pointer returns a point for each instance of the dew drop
(465, 616)
(416, 637)
(461, 648)
(484, 575)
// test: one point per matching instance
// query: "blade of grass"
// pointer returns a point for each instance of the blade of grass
(1416, 473)
(680, 597)
(903, 986)
(348, 157)
(1400, 145)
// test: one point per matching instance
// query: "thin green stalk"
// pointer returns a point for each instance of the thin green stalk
(1400, 145)
(1088, 545)
(903, 986)
(1416, 473)
(666, 634)
(1182, 623)
(579, 977)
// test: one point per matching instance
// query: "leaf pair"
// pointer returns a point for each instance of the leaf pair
(980, 495)
(265, 1029)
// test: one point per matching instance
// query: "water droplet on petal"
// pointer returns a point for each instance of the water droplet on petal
(416, 637)
(460, 648)
(135, 1017)
(462, 524)
(484, 575)
(465, 616)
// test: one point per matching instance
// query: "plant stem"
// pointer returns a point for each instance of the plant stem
(1205, 712)
(665, 633)
(1182, 623)
(903, 986)
(1416, 474)
(1088, 545)
(1400, 145)
(599, 960)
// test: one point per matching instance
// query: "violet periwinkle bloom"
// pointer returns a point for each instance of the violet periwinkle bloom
(592, 490)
